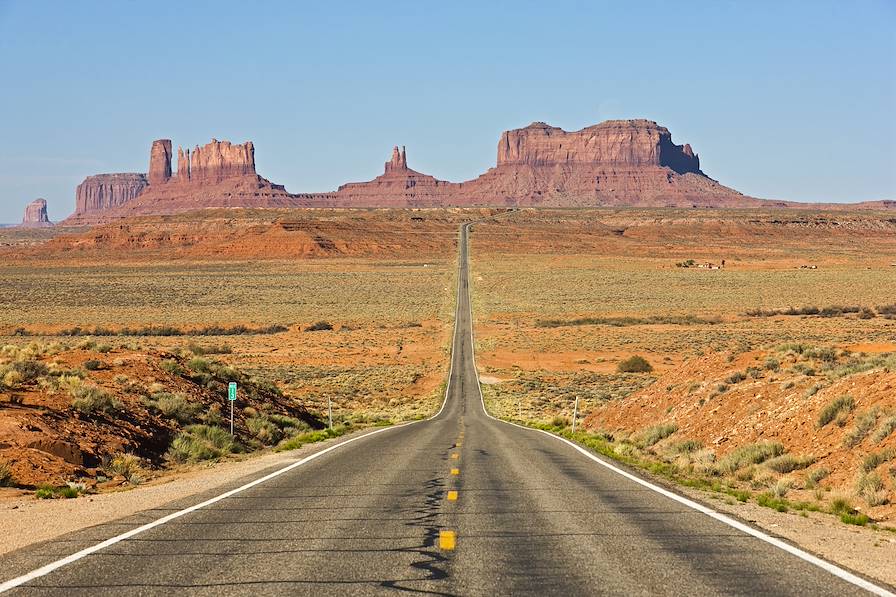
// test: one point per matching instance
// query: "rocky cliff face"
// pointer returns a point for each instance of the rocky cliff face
(160, 161)
(36, 214)
(220, 160)
(610, 143)
(107, 191)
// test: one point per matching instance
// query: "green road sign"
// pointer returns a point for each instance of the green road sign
(231, 391)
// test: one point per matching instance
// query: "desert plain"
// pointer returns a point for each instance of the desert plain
(766, 337)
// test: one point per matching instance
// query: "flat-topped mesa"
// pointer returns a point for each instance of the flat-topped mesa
(160, 161)
(611, 143)
(220, 160)
(399, 161)
(106, 191)
(36, 215)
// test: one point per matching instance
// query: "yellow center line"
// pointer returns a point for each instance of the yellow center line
(455, 471)
(452, 496)
(455, 456)
(447, 540)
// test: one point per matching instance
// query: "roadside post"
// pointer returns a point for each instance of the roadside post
(575, 414)
(231, 397)
(330, 410)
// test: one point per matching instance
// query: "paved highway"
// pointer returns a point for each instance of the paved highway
(460, 504)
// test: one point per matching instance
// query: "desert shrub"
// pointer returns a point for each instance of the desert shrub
(871, 489)
(772, 364)
(319, 326)
(560, 421)
(264, 430)
(201, 350)
(93, 365)
(826, 354)
(634, 364)
(175, 406)
(780, 487)
(199, 365)
(90, 399)
(128, 466)
(213, 416)
(29, 370)
(754, 372)
(813, 390)
(886, 428)
(171, 366)
(866, 313)
(887, 309)
(289, 425)
(749, 454)
(200, 442)
(856, 518)
(651, 435)
(6, 478)
(736, 377)
(768, 500)
(786, 463)
(49, 492)
(864, 423)
(842, 404)
(687, 446)
(815, 476)
(875, 459)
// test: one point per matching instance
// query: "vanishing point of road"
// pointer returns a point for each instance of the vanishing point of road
(460, 504)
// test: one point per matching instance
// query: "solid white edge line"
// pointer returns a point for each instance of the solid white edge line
(803, 555)
(48, 568)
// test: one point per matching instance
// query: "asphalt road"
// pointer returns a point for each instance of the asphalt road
(530, 515)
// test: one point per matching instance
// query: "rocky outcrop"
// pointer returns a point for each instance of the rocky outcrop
(220, 160)
(160, 161)
(36, 215)
(107, 191)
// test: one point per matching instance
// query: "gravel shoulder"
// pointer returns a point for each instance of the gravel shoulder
(864, 550)
(26, 520)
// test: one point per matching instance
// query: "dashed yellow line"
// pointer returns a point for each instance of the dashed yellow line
(455, 456)
(452, 496)
(455, 471)
(447, 540)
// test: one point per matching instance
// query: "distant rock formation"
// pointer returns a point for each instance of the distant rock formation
(36, 215)
(614, 163)
(160, 161)
(107, 191)
(610, 143)
(397, 186)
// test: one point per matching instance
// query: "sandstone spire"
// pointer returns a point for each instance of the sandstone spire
(220, 160)
(399, 161)
(183, 165)
(160, 161)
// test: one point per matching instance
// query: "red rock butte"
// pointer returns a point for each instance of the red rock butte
(614, 163)
(36, 215)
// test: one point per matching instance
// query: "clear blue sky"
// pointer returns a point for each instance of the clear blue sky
(792, 100)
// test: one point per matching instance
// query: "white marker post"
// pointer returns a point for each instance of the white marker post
(575, 414)
(330, 410)
(231, 397)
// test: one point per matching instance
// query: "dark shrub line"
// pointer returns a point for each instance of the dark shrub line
(628, 321)
(887, 311)
(152, 330)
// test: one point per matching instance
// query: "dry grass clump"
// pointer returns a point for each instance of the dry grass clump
(838, 406)
(886, 428)
(787, 463)
(6, 477)
(871, 488)
(201, 442)
(875, 459)
(174, 406)
(749, 454)
(864, 424)
(651, 435)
